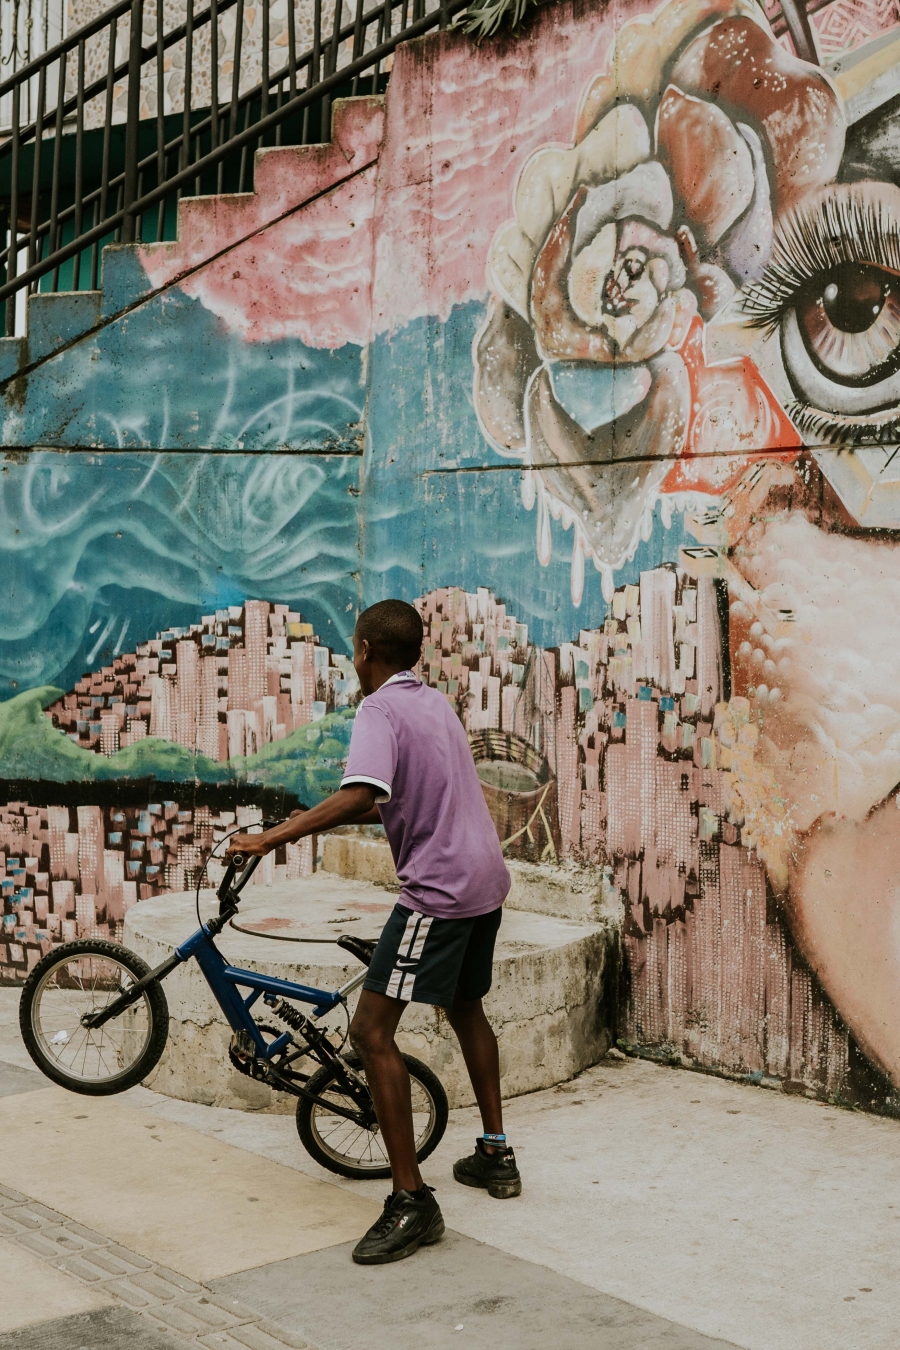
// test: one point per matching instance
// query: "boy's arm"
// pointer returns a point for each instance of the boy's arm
(352, 804)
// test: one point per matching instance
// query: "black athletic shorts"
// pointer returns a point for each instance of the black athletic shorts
(425, 960)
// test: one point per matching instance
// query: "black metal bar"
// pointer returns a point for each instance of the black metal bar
(107, 130)
(251, 133)
(264, 93)
(13, 260)
(214, 74)
(312, 74)
(171, 38)
(36, 176)
(185, 157)
(94, 238)
(53, 242)
(292, 45)
(124, 1001)
(160, 117)
(79, 168)
(132, 120)
(330, 66)
(359, 39)
(26, 73)
(245, 146)
(236, 72)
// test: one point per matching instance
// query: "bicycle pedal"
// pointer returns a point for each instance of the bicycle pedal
(242, 1048)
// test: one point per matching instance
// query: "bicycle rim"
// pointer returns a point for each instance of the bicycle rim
(74, 987)
(354, 1145)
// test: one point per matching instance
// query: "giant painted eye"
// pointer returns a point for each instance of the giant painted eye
(849, 319)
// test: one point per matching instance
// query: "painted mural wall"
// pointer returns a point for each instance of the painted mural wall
(587, 341)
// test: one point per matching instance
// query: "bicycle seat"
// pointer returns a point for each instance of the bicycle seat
(362, 948)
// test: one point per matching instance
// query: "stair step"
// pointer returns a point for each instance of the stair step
(285, 177)
(55, 319)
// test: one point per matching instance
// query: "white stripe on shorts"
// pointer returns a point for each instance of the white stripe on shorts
(409, 953)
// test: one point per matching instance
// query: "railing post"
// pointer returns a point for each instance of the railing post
(132, 125)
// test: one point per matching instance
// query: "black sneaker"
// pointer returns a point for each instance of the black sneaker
(495, 1172)
(408, 1223)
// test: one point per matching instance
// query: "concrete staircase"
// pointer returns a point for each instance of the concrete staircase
(287, 180)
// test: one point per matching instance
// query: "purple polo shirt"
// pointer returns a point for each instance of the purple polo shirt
(408, 742)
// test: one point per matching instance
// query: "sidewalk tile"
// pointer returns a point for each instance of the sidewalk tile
(9, 1197)
(197, 1315)
(103, 1264)
(56, 1242)
(254, 1337)
(31, 1216)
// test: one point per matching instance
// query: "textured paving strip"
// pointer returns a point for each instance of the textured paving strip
(178, 1198)
(457, 1292)
(53, 1266)
(32, 1292)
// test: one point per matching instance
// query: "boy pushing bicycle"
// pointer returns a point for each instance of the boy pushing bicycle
(410, 768)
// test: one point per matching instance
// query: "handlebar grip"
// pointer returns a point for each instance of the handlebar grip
(227, 879)
(249, 867)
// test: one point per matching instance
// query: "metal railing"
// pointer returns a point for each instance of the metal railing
(115, 136)
(103, 133)
(27, 29)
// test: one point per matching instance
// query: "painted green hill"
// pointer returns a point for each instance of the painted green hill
(308, 764)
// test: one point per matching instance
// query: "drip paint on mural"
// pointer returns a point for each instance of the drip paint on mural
(613, 306)
(690, 346)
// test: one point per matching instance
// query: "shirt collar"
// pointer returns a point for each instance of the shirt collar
(403, 677)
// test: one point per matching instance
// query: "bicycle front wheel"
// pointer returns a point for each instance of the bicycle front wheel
(353, 1150)
(73, 981)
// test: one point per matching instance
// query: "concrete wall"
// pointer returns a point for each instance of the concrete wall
(587, 341)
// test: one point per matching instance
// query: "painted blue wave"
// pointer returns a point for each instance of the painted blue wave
(101, 551)
(425, 529)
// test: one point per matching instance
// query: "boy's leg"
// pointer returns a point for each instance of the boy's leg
(479, 1046)
(491, 1167)
(372, 1037)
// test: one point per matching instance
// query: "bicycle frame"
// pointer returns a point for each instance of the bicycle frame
(225, 980)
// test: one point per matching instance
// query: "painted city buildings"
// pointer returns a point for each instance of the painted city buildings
(586, 340)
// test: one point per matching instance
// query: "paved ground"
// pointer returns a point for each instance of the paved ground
(661, 1209)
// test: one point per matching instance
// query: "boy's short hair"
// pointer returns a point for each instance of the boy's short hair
(394, 632)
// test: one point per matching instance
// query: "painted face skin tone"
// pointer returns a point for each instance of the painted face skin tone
(832, 740)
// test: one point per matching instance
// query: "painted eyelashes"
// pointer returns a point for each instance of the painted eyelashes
(832, 289)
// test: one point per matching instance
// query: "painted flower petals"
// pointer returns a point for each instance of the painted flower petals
(737, 63)
(644, 192)
(709, 161)
(505, 357)
(593, 395)
(579, 468)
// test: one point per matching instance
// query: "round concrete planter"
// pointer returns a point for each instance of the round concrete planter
(546, 1005)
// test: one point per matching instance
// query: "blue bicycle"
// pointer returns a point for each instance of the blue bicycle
(94, 1019)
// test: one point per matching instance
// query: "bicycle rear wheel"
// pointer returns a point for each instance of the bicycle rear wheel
(84, 977)
(352, 1150)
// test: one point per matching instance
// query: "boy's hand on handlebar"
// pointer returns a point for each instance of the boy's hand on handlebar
(251, 845)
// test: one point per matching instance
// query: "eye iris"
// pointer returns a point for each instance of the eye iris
(854, 297)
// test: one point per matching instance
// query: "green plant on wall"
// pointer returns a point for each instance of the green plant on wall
(483, 18)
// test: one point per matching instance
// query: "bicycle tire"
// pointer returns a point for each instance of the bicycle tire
(155, 1004)
(345, 1166)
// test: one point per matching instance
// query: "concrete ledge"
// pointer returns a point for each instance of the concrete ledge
(564, 890)
(551, 1005)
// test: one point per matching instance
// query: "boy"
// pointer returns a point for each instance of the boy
(410, 767)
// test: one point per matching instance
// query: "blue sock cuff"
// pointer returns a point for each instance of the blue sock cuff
(494, 1138)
